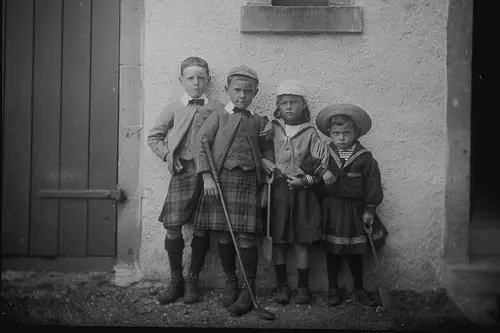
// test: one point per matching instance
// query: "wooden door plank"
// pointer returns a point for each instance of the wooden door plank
(75, 125)
(103, 161)
(46, 120)
(17, 125)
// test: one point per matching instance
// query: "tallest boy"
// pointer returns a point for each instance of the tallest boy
(171, 139)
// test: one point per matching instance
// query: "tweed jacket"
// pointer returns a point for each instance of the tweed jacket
(171, 126)
(219, 130)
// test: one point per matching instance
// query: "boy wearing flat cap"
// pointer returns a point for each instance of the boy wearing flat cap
(171, 139)
(241, 153)
(349, 205)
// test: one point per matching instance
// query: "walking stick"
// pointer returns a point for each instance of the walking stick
(267, 244)
(385, 295)
(261, 312)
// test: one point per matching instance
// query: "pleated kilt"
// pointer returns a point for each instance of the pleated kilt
(295, 215)
(343, 228)
(242, 200)
(182, 198)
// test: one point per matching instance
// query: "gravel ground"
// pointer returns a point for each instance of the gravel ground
(49, 298)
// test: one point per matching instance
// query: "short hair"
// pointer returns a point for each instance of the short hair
(306, 114)
(247, 78)
(194, 61)
(343, 119)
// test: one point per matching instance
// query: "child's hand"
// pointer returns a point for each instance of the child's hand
(329, 178)
(296, 182)
(209, 186)
(268, 131)
(177, 165)
(269, 166)
(368, 219)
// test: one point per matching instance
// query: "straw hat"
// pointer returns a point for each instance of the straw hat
(360, 117)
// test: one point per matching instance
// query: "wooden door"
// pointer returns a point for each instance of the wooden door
(60, 125)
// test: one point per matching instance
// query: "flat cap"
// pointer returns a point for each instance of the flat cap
(244, 71)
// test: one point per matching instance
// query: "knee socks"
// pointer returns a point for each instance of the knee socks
(356, 267)
(227, 255)
(281, 279)
(333, 265)
(199, 248)
(175, 247)
(303, 277)
(250, 259)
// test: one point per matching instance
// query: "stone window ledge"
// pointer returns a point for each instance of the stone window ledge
(339, 18)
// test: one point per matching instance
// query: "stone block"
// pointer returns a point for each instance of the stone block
(301, 19)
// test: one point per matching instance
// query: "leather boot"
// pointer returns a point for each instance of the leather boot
(192, 291)
(335, 296)
(283, 296)
(231, 289)
(175, 289)
(244, 302)
(303, 296)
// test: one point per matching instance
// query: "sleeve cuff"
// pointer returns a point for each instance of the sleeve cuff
(203, 168)
(370, 209)
(320, 171)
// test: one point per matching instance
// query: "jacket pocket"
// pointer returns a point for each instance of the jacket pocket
(351, 184)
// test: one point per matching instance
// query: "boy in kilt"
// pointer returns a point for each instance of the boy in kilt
(350, 204)
(242, 150)
(171, 139)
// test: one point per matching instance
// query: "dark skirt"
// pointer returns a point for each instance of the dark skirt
(343, 228)
(295, 215)
(182, 198)
(242, 201)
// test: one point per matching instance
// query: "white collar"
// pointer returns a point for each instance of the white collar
(230, 106)
(186, 98)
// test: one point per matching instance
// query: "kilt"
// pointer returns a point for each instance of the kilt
(343, 228)
(242, 200)
(182, 196)
(295, 216)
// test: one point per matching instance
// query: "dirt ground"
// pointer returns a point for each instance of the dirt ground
(50, 298)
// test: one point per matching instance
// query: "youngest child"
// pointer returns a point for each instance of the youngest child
(350, 204)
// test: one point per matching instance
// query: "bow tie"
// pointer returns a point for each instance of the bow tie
(244, 111)
(197, 101)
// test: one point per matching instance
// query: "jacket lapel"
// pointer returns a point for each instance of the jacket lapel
(303, 127)
(335, 155)
(358, 151)
(185, 118)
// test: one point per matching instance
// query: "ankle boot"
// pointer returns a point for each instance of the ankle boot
(192, 291)
(283, 296)
(244, 302)
(175, 289)
(231, 289)
(303, 296)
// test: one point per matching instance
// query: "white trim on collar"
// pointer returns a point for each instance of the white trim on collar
(186, 98)
(230, 106)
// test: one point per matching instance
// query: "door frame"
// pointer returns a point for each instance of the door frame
(129, 212)
(458, 125)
